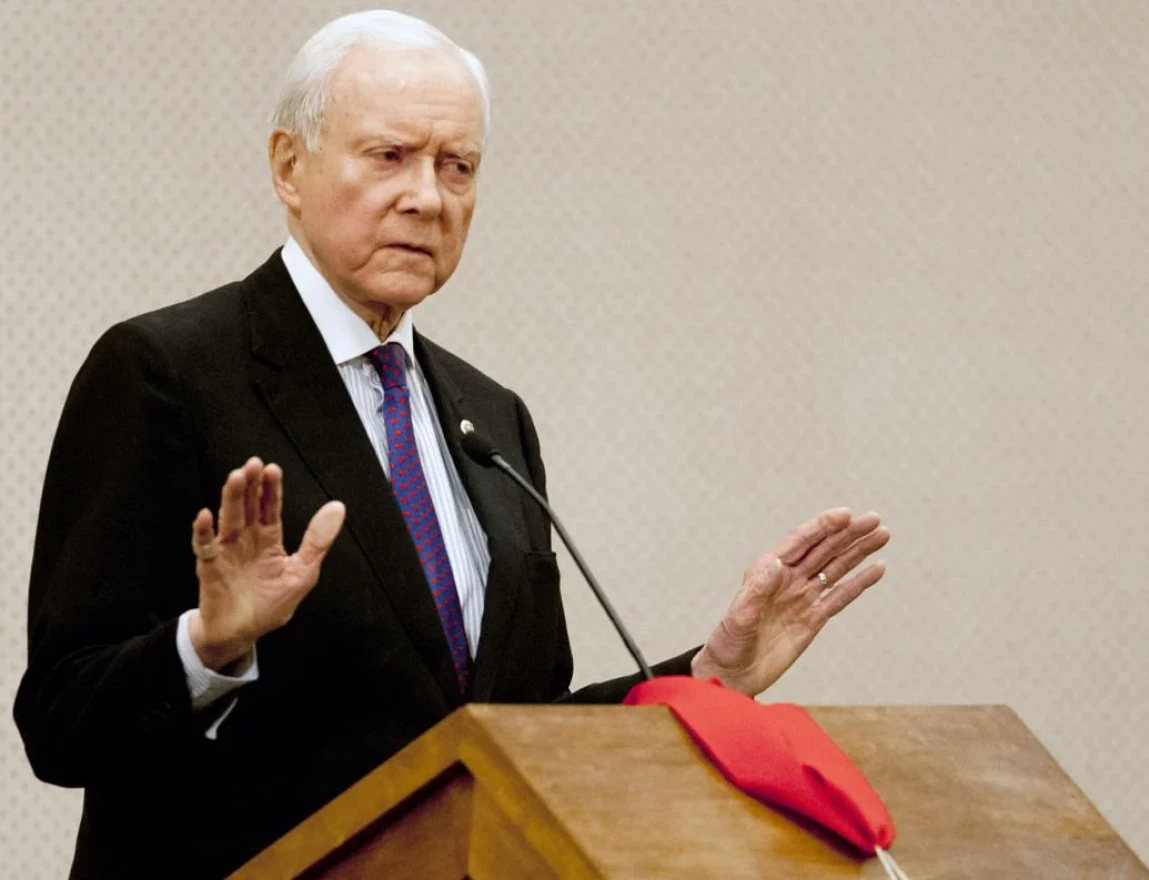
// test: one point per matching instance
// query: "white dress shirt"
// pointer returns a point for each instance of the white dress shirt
(349, 338)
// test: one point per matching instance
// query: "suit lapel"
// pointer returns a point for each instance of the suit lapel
(302, 387)
(497, 504)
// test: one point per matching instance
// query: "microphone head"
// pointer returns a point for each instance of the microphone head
(478, 447)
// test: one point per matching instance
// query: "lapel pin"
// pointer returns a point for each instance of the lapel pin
(466, 427)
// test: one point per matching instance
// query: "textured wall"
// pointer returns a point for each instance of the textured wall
(745, 260)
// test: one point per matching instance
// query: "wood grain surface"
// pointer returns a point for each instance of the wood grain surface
(508, 792)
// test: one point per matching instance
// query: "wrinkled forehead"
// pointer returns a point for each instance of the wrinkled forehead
(405, 87)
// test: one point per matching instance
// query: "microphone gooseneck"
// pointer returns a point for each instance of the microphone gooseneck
(483, 451)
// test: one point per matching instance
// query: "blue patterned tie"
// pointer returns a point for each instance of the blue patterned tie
(410, 487)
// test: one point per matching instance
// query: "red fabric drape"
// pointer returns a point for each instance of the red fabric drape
(776, 753)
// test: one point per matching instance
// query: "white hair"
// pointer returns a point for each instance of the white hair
(303, 97)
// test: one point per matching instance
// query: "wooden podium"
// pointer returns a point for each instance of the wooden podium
(511, 792)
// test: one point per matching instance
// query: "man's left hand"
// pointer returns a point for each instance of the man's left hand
(783, 603)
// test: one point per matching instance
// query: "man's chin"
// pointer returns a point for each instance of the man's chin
(401, 293)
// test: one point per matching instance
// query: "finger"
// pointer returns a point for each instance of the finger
(859, 526)
(252, 489)
(321, 532)
(203, 536)
(846, 592)
(855, 554)
(821, 554)
(796, 544)
(231, 506)
(271, 497)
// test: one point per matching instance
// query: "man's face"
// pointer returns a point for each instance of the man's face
(385, 202)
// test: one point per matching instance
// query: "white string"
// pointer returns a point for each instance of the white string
(885, 860)
(893, 870)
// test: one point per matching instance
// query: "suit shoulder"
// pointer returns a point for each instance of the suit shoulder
(465, 374)
(154, 348)
(205, 326)
(204, 316)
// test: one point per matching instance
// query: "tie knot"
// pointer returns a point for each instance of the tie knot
(390, 363)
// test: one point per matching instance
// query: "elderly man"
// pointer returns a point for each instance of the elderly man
(208, 703)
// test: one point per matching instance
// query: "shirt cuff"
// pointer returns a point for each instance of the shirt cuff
(205, 685)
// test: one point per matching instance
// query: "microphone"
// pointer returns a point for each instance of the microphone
(483, 451)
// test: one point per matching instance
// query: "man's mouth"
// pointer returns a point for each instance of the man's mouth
(410, 247)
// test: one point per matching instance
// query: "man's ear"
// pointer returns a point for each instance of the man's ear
(284, 150)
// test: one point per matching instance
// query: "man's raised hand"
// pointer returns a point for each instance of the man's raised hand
(248, 584)
(788, 596)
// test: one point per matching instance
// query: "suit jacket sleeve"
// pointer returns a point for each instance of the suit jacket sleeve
(614, 690)
(112, 570)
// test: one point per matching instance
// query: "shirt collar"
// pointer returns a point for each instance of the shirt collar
(346, 335)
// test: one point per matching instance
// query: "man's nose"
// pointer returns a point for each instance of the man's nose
(421, 195)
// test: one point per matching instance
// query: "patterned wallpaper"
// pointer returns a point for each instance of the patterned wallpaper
(744, 260)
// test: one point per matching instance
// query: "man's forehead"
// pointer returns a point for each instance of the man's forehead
(404, 73)
(404, 92)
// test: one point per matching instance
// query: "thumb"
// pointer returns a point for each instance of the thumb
(321, 532)
(760, 586)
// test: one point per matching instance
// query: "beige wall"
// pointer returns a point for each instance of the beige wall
(744, 260)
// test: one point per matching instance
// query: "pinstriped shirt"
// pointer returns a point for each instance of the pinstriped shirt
(349, 338)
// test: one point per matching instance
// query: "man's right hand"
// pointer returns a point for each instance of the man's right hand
(248, 584)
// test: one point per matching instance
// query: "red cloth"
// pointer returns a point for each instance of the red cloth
(776, 753)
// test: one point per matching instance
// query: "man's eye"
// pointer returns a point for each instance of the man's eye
(388, 155)
(458, 166)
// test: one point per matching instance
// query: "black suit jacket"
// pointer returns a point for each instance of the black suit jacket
(165, 405)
